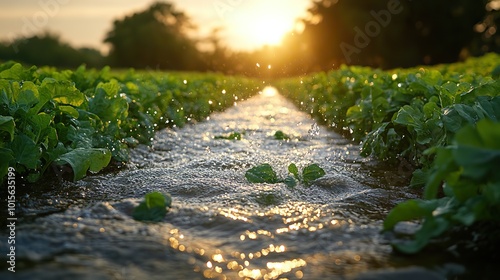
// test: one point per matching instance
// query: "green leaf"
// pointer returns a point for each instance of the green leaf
(231, 136)
(7, 157)
(290, 182)
(7, 124)
(19, 73)
(431, 227)
(409, 210)
(27, 96)
(311, 173)
(442, 165)
(292, 168)
(263, 173)
(153, 208)
(280, 135)
(109, 109)
(419, 178)
(26, 151)
(478, 149)
(62, 92)
(69, 110)
(82, 160)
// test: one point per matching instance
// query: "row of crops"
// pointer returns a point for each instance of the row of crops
(443, 119)
(88, 119)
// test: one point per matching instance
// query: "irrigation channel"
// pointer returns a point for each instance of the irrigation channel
(221, 226)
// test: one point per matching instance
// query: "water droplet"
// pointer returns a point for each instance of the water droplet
(314, 131)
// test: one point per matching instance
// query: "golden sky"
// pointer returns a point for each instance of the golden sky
(247, 24)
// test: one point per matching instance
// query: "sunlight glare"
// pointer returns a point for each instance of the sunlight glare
(269, 91)
(269, 29)
(260, 23)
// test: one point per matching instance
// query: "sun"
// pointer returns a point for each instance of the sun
(269, 29)
(257, 23)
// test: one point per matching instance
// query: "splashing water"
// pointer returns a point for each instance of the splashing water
(314, 131)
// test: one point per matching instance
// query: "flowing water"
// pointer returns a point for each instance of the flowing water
(220, 226)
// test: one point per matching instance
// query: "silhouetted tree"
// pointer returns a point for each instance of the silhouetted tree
(387, 33)
(48, 49)
(154, 38)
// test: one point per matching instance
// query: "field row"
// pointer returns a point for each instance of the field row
(442, 119)
(86, 118)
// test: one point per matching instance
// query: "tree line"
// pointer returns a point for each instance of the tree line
(378, 33)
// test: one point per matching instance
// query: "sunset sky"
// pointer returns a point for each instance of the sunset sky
(247, 24)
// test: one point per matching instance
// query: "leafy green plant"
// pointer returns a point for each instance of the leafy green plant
(418, 115)
(264, 173)
(89, 118)
(469, 170)
(399, 114)
(153, 208)
(231, 136)
(280, 135)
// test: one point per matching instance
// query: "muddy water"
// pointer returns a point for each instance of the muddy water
(220, 226)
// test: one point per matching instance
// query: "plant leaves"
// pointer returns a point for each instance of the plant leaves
(7, 124)
(478, 149)
(231, 136)
(280, 135)
(263, 173)
(409, 210)
(7, 156)
(26, 151)
(153, 208)
(311, 173)
(292, 168)
(290, 182)
(63, 92)
(82, 159)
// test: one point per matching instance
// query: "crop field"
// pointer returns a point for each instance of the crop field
(89, 118)
(444, 121)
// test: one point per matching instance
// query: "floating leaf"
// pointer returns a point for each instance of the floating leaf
(292, 168)
(153, 208)
(290, 182)
(231, 136)
(311, 173)
(280, 135)
(263, 173)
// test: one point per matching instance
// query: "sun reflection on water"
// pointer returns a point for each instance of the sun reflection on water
(269, 91)
(264, 253)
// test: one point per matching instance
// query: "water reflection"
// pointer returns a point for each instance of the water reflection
(219, 225)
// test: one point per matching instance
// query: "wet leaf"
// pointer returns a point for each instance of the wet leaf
(231, 136)
(82, 160)
(280, 135)
(290, 182)
(311, 173)
(292, 168)
(478, 149)
(153, 208)
(7, 124)
(262, 174)
(26, 151)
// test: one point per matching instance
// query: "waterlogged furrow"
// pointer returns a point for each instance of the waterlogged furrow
(220, 226)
